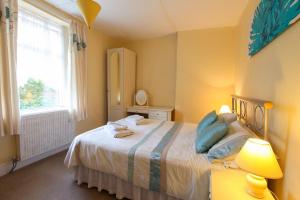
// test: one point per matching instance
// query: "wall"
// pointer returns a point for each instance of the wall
(7, 148)
(205, 72)
(274, 74)
(97, 109)
(156, 68)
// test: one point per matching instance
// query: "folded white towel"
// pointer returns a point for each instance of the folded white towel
(120, 134)
(116, 126)
(136, 119)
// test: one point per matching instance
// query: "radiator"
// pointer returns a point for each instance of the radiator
(44, 132)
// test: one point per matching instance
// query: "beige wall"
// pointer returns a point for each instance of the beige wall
(274, 74)
(156, 68)
(97, 109)
(205, 72)
(7, 148)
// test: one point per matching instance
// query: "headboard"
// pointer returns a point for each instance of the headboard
(253, 113)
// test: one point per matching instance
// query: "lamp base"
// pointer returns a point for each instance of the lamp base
(256, 186)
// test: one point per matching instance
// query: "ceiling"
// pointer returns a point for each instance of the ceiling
(141, 19)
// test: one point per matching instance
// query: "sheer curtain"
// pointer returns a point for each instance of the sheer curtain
(79, 71)
(9, 101)
(42, 57)
(50, 53)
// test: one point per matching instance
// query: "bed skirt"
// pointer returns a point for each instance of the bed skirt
(115, 185)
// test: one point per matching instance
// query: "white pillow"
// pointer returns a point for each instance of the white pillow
(227, 117)
(238, 126)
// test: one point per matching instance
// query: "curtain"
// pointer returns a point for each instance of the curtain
(9, 101)
(78, 71)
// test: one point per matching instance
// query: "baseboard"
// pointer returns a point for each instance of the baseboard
(24, 163)
(6, 167)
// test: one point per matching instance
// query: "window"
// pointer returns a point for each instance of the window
(42, 61)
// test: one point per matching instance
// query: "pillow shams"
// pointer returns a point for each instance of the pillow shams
(209, 119)
(210, 136)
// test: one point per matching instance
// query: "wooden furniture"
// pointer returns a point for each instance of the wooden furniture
(231, 184)
(121, 70)
(161, 113)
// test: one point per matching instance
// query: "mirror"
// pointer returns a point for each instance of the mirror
(141, 98)
(115, 92)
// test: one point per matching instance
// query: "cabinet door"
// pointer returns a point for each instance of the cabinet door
(114, 85)
(115, 79)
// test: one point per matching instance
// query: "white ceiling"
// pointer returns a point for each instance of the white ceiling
(141, 19)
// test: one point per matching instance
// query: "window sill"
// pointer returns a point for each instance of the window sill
(42, 111)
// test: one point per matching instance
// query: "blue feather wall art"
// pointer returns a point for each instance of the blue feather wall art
(271, 18)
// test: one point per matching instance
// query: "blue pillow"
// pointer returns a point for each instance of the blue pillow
(210, 136)
(228, 146)
(209, 119)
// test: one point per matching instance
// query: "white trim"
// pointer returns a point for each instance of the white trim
(24, 163)
(6, 167)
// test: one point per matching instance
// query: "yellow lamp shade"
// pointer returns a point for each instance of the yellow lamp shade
(89, 10)
(258, 158)
(224, 109)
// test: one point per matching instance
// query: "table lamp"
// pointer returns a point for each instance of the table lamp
(224, 109)
(258, 159)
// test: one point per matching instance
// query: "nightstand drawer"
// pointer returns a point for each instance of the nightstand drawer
(158, 115)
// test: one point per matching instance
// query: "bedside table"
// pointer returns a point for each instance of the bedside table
(230, 184)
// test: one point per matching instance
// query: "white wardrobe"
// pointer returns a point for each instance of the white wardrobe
(121, 75)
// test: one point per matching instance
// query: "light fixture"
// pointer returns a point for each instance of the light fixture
(89, 10)
(258, 158)
(224, 109)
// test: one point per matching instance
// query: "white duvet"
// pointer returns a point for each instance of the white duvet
(160, 157)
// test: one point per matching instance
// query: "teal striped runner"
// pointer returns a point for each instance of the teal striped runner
(156, 155)
(133, 149)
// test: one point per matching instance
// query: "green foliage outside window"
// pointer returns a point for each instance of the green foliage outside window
(34, 94)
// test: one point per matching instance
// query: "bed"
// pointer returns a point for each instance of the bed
(158, 162)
